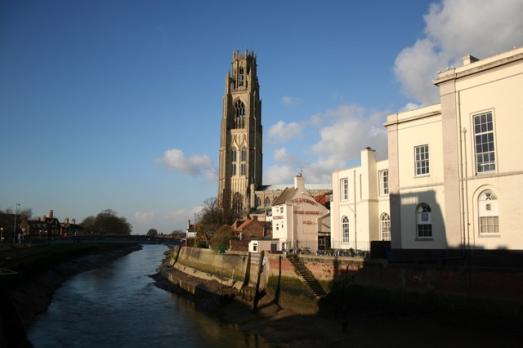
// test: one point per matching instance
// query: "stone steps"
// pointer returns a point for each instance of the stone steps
(307, 276)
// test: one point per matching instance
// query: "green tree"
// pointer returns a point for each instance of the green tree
(87, 225)
(107, 222)
(221, 238)
(153, 232)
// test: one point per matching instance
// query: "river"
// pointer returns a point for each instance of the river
(119, 306)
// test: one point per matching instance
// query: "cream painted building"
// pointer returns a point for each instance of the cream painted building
(455, 168)
(360, 204)
(298, 221)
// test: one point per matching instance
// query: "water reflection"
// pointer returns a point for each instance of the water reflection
(118, 305)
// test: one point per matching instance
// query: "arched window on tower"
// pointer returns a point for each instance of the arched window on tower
(241, 76)
(488, 213)
(267, 202)
(234, 159)
(345, 229)
(385, 226)
(423, 221)
(239, 114)
(243, 161)
(237, 204)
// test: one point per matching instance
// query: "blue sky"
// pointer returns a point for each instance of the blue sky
(94, 93)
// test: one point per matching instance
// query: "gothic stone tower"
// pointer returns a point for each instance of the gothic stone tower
(240, 172)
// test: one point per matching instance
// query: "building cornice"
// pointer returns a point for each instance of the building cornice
(474, 68)
(411, 118)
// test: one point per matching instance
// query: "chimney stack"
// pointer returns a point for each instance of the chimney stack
(468, 59)
(51, 214)
(299, 183)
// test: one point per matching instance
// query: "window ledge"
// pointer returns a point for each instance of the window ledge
(424, 239)
(490, 235)
(421, 175)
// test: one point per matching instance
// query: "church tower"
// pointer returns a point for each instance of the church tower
(240, 171)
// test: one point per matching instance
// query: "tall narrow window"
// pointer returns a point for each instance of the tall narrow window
(484, 143)
(345, 229)
(421, 153)
(243, 161)
(233, 161)
(344, 185)
(240, 76)
(239, 109)
(384, 182)
(488, 213)
(385, 226)
(267, 202)
(423, 221)
(237, 203)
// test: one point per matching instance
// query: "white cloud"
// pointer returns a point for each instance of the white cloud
(284, 170)
(281, 155)
(288, 100)
(454, 28)
(194, 165)
(283, 132)
(410, 106)
(143, 216)
(280, 173)
(348, 129)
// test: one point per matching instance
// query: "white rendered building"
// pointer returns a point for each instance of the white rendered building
(298, 221)
(360, 204)
(455, 168)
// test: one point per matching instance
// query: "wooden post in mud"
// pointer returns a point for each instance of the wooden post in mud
(256, 292)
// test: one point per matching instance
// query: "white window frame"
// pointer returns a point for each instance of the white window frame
(424, 218)
(383, 183)
(344, 189)
(479, 167)
(423, 159)
(345, 237)
(488, 213)
(385, 227)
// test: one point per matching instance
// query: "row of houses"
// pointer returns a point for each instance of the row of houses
(452, 179)
(41, 227)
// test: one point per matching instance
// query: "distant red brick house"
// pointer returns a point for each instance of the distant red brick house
(249, 229)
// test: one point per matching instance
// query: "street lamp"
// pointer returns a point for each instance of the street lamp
(1, 234)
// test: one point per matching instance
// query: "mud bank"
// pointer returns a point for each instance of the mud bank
(25, 295)
(347, 316)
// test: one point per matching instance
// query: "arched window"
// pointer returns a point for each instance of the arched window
(239, 114)
(488, 213)
(385, 226)
(237, 204)
(234, 159)
(243, 161)
(257, 201)
(345, 229)
(240, 76)
(267, 202)
(423, 221)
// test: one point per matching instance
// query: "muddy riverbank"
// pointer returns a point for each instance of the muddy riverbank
(356, 323)
(39, 272)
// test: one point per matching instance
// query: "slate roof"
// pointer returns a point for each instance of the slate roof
(284, 186)
(287, 194)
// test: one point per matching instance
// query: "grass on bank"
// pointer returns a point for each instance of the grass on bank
(35, 259)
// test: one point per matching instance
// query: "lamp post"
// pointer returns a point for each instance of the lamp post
(1, 235)
(14, 231)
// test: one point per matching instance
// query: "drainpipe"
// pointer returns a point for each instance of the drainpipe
(355, 215)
